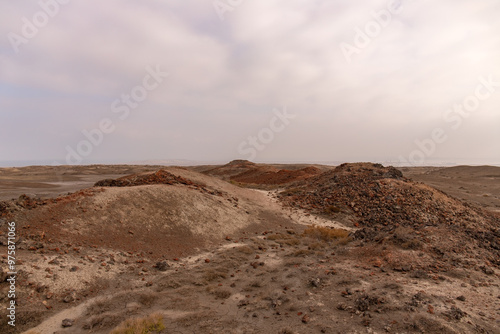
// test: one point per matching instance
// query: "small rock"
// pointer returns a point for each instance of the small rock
(342, 306)
(68, 322)
(461, 298)
(315, 282)
(243, 303)
(162, 266)
(69, 297)
(47, 306)
(487, 270)
(306, 319)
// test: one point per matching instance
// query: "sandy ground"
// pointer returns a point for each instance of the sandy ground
(478, 184)
(50, 181)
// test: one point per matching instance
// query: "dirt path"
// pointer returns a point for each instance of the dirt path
(300, 216)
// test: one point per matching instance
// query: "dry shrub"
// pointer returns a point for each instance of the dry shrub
(212, 274)
(301, 252)
(405, 238)
(333, 209)
(317, 246)
(147, 325)
(277, 236)
(99, 307)
(284, 239)
(104, 320)
(290, 242)
(222, 294)
(148, 298)
(327, 234)
(291, 192)
(245, 250)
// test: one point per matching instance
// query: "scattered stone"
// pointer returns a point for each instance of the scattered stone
(162, 266)
(419, 274)
(315, 282)
(455, 313)
(68, 322)
(487, 270)
(70, 297)
(243, 302)
(461, 298)
(342, 307)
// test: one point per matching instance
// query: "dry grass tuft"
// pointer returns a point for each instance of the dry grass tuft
(284, 239)
(222, 294)
(148, 298)
(327, 234)
(147, 325)
(333, 209)
(212, 274)
(245, 250)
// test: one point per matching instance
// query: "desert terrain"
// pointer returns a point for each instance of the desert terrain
(253, 248)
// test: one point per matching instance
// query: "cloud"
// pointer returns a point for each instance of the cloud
(227, 76)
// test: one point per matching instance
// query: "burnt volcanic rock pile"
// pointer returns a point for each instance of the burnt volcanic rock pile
(160, 177)
(382, 203)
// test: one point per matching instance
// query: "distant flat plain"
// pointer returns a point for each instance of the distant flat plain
(474, 184)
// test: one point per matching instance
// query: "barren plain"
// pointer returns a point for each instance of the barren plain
(253, 248)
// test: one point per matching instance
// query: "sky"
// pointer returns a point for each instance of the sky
(404, 81)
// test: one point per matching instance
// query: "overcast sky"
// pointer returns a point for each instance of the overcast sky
(348, 84)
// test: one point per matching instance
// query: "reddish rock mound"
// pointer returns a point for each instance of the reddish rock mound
(244, 171)
(231, 169)
(160, 177)
(280, 176)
